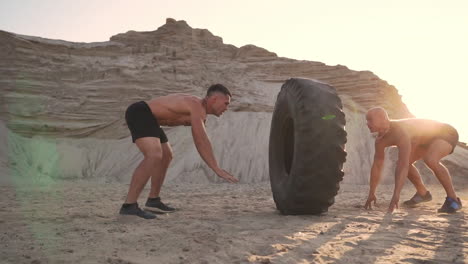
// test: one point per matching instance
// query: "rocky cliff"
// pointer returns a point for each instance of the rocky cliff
(62, 103)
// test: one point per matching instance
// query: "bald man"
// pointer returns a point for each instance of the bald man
(416, 139)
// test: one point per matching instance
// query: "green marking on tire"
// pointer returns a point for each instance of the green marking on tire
(328, 117)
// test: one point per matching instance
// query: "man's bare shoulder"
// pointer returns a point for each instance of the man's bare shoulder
(402, 132)
(393, 136)
(192, 104)
(175, 100)
(175, 106)
(176, 97)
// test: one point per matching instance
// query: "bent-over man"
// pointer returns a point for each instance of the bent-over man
(416, 139)
(144, 119)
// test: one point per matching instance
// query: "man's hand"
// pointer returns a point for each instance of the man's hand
(393, 204)
(371, 198)
(228, 177)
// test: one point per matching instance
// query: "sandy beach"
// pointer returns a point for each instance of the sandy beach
(77, 222)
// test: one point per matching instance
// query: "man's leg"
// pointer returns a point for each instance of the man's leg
(437, 150)
(422, 194)
(416, 180)
(154, 201)
(159, 174)
(152, 151)
(413, 174)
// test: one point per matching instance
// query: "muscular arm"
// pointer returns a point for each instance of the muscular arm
(402, 168)
(203, 144)
(376, 172)
(377, 165)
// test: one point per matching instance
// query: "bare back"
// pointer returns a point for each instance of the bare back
(419, 132)
(176, 109)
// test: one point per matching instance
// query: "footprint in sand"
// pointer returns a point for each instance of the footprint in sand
(418, 234)
(118, 261)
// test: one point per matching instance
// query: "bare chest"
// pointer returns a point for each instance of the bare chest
(175, 120)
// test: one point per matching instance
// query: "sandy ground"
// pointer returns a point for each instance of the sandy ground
(77, 222)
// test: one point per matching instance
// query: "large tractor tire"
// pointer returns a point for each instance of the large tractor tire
(306, 151)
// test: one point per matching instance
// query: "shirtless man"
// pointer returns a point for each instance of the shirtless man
(416, 139)
(144, 120)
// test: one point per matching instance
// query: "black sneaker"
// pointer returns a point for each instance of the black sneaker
(133, 209)
(450, 206)
(417, 199)
(156, 203)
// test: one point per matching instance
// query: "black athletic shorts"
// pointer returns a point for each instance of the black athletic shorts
(142, 122)
(449, 134)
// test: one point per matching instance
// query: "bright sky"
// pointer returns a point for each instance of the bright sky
(419, 46)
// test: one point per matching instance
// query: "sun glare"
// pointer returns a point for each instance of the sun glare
(440, 104)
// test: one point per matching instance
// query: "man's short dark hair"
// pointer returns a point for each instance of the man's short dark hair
(218, 88)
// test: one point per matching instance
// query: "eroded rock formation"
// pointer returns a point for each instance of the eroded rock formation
(66, 101)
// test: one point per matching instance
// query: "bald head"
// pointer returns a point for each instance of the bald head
(377, 119)
(377, 112)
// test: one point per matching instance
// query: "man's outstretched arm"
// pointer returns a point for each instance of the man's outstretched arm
(376, 172)
(203, 146)
(401, 172)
